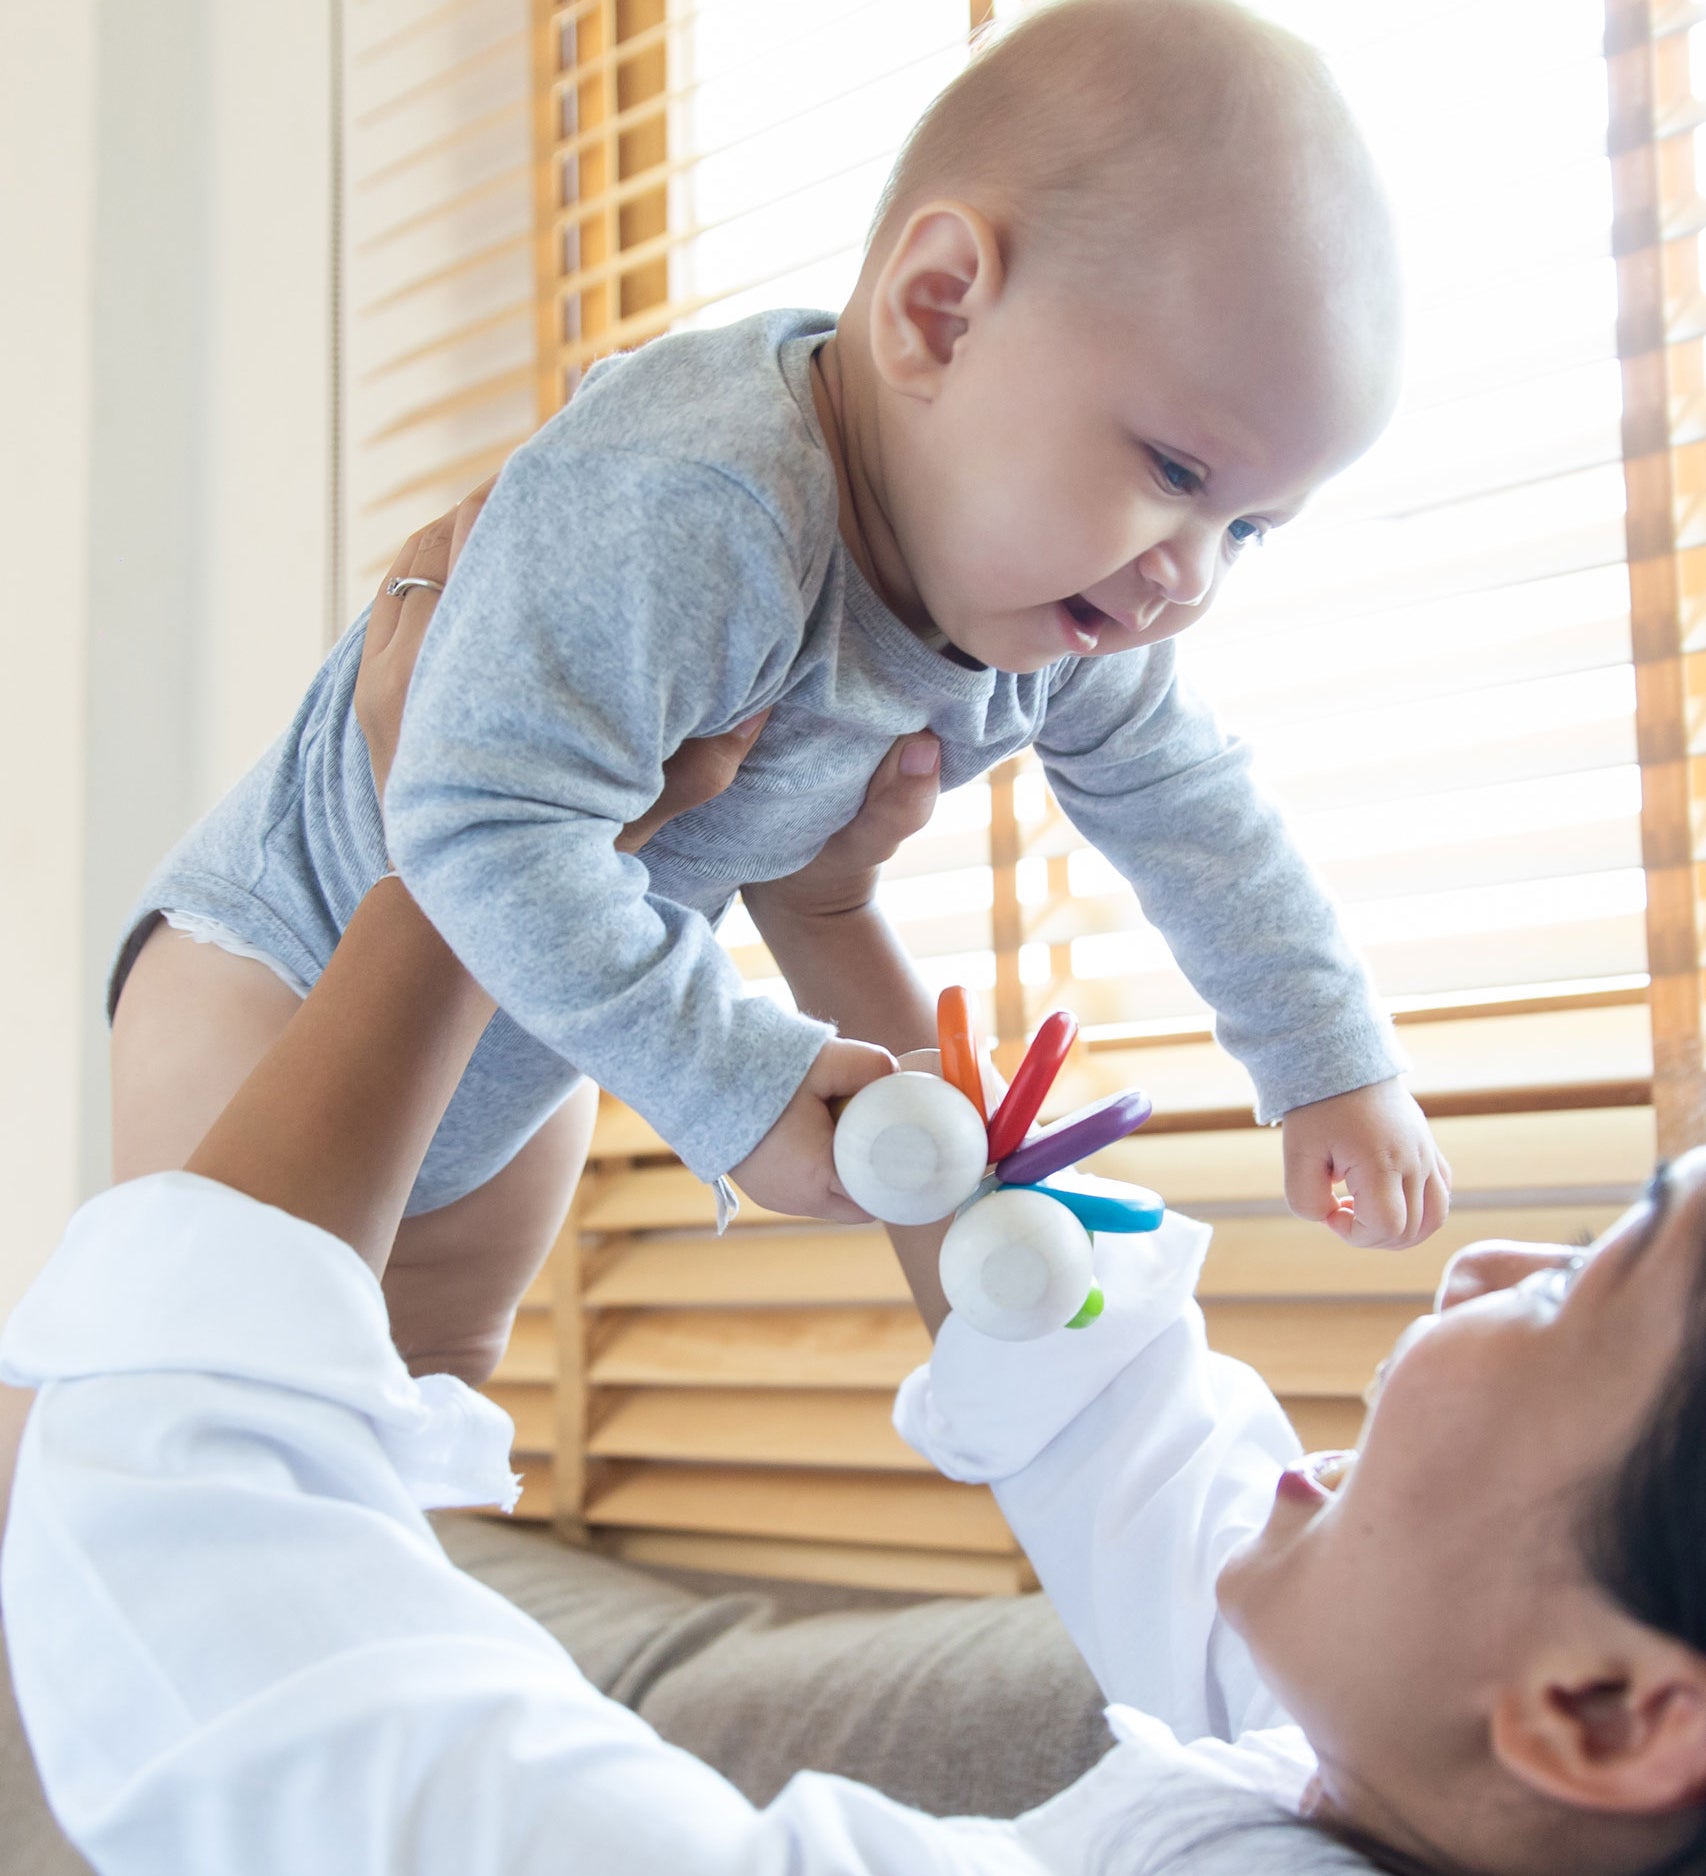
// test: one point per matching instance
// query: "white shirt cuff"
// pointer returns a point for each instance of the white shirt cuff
(982, 1409)
(175, 1273)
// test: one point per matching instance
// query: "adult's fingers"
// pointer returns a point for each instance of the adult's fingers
(385, 611)
(1495, 1264)
(467, 513)
(432, 561)
(396, 624)
(696, 773)
(899, 800)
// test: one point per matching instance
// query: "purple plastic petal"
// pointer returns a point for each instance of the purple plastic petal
(1076, 1137)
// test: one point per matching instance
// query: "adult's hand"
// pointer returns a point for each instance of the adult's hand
(396, 628)
(842, 878)
(837, 951)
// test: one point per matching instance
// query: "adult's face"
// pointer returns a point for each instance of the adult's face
(1389, 1606)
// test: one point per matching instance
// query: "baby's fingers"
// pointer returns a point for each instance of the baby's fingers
(1436, 1201)
(1309, 1186)
(1427, 1201)
(1381, 1208)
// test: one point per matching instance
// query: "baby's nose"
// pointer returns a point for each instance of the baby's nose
(1182, 568)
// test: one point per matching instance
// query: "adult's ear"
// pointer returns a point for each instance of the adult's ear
(1621, 1730)
(943, 273)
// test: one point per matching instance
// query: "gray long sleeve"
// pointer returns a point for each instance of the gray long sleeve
(661, 561)
(607, 607)
(1150, 779)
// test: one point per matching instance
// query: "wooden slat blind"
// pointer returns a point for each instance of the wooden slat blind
(438, 326)
(1434, 665)
(1657, 70)
(700, 160)
(1476, 695)
(601, 159)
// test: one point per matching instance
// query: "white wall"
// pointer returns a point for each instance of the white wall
(46, 222)
(165, 358)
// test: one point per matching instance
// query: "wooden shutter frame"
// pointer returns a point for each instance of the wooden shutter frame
(601, 137)
(1658, 213)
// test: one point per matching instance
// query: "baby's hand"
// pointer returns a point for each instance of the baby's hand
(791, 1168)
(1377, 1141)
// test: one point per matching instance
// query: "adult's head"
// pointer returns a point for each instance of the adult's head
(1492, 1626)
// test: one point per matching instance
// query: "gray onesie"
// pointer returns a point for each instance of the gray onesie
(659, 562)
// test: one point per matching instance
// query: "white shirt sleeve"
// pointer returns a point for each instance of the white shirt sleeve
(1129, 1461)
(238, 1646)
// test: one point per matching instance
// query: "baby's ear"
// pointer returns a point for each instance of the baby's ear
(1625, 1731)
(942, 273)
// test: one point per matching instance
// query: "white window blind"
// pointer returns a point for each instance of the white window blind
(1433, 663)
(438, 303)
(789, 121)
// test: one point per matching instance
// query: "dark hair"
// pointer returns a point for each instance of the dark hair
(1643, 1528)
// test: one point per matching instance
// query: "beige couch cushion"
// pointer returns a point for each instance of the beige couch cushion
(956, 1706)
(980, 1708)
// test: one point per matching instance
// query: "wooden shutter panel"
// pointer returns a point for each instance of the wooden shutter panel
(1656, 107)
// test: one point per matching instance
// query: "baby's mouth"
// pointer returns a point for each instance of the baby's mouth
(1085, 622)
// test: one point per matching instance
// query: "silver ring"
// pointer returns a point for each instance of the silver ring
(395, 587)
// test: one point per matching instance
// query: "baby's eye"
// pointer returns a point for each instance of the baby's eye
(1246, 531)
(1181, 480)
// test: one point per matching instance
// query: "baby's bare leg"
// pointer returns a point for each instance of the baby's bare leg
(457, 1274)
(191, 1024)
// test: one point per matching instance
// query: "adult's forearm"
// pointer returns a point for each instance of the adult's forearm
(848, 968)
(333, 1124)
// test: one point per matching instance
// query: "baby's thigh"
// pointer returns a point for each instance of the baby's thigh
(457, 1274)
(191, 1022)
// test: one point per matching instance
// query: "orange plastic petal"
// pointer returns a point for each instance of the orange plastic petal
(956, 1035)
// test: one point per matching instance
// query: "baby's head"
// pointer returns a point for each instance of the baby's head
(1131, 297)
(1492, 1626)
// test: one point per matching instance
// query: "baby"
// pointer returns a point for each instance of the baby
(1130, 299)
